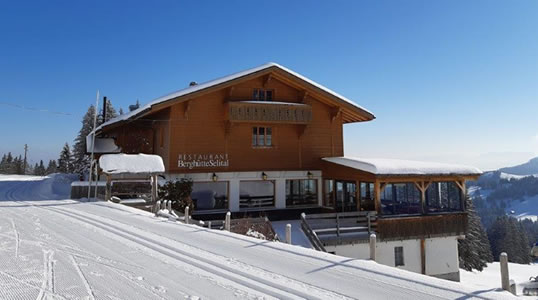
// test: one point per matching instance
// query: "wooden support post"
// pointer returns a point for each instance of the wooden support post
(288, 233)
(108, 191)
(505, 277)
(423, 256)
(227, 221)
(372, 246)
(377, 188)
(187, 219)
(154, 188)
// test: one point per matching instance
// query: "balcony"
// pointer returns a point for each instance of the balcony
(269, 112)
(424, 226)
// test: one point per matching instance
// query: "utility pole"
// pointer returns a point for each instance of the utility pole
(25, 152)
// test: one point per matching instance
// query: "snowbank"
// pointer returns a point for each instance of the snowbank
(131, 163)
(23, 187)
(490, 277)
(380, 166)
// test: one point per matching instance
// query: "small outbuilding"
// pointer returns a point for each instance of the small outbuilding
(122, 167)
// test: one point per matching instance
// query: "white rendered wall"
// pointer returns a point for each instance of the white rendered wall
(442, 255)
(234, 178)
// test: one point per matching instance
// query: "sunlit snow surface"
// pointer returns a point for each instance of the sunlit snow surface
(65, 249)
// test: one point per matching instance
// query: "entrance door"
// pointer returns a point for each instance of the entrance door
(346, 196)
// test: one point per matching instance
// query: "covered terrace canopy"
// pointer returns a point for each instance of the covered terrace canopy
(415, 187)
(116, 165)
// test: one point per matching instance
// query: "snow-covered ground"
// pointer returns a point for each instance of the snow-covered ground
(490, 277)
(65, 249)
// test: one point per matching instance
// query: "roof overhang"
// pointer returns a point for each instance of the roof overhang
(406, 169)
(351, 112)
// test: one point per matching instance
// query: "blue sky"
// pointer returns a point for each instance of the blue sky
(453, 81)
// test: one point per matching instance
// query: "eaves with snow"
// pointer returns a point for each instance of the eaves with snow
(360, 113)
(398, 167)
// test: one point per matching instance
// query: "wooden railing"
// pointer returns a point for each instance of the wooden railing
(311, 235)
(423, 226)
(273, 112)
(339, 228)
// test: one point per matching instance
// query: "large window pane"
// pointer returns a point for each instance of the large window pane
(301, 192)
(268, 136)
(400, 198)
(443, 197)
(367, 198)
(261, 136)
(253, 194)
(210, 195)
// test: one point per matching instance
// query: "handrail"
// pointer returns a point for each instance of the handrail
(311, 235)
(325, 227)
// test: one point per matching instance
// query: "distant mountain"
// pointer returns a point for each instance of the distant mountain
(528, 168)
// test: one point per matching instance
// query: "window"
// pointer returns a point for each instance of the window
(328, 199)
(301, 192)
(262, 95)
(367, 199)
(346, 196)
(398, 256)
(210, 195)
(400, 198)
(443, 197)
(262, 137)
(254, 194)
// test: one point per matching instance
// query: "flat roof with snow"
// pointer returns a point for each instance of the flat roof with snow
(131, 163)
(379, 166)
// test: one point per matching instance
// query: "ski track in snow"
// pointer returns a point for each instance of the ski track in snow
(65, 249)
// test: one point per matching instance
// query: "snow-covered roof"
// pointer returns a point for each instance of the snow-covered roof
(198, 87)
(380, 166)
(131, 163)
(102, 145)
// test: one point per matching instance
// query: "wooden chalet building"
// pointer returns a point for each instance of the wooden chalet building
(270, 140)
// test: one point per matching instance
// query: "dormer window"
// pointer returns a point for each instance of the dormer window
(262, 95)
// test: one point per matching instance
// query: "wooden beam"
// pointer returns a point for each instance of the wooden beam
(108, 189)
(186, 108)
(377, 194)
(461, 185)
(230, 91)
(382, 186)
(303, 96)
(335, 112)
(267, 80)
(301, 130)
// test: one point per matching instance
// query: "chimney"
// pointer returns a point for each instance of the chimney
(104, 109)
(193, 83)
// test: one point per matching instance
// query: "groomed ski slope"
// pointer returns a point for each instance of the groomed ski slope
(65, 249)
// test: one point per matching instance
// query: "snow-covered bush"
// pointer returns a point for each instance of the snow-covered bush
(179, 192)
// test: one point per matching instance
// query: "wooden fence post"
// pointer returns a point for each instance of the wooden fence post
(505, 277)
(372, 246)
(288, 233)
(187, 221)
(227, 225)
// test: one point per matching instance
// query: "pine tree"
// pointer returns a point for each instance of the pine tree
(18, 165)
(52, 167)
(65, 160)
(9, 164)
(80, 159)
(474, 251)
(3, 165)
(507, 235)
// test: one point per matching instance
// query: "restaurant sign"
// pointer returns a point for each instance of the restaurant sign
(192, 161)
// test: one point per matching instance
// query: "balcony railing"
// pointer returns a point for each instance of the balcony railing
(269, 111)
(423, 226)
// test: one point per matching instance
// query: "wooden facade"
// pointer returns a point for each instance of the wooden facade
(305, 128)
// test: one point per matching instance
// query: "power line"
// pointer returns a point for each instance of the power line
(35, 109)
